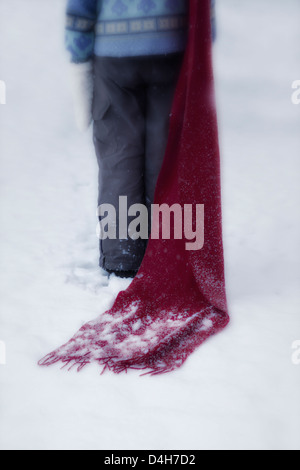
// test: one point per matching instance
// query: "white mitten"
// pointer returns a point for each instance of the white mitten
(82, 88)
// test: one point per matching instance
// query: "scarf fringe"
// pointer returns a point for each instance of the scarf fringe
(117, 368)
(164, 358)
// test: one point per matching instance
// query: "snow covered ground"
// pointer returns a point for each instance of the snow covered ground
(240, 390)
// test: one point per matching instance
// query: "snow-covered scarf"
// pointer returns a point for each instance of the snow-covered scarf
(178, 298)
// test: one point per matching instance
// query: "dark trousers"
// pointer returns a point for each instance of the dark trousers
(131, 111)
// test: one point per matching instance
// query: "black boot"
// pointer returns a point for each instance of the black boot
(123, 274)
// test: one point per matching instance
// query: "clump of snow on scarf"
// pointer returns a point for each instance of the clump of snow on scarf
(178, 298)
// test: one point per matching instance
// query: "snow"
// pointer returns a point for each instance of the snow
(240, 390)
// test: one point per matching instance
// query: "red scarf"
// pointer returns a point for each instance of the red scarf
(178, 298)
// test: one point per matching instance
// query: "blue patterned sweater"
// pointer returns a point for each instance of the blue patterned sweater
(125, 28)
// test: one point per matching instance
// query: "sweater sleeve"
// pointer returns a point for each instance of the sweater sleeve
(80, 29)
